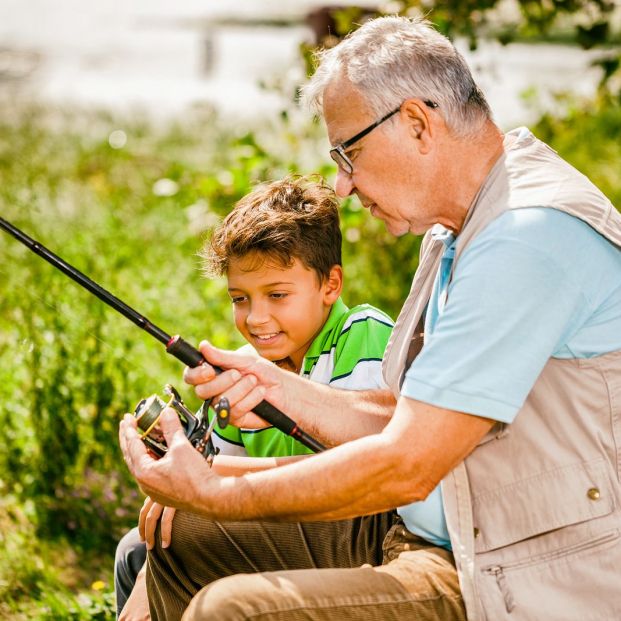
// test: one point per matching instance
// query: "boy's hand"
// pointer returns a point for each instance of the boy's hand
(246, 381)
(137, 605)
(147, 522)
(179, 479)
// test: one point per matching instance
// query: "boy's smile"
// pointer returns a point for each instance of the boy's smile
(280, 310)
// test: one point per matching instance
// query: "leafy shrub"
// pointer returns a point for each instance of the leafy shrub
(46, 582)
(586, 135)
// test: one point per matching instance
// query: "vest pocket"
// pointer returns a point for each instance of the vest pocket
(535, 587)
(542, 503)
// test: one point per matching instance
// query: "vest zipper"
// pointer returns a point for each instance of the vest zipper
(501, 581)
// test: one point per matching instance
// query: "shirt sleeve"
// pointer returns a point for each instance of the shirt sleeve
(513, 300)
(359, 350)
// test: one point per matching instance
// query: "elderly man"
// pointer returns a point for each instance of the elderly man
(504, 369)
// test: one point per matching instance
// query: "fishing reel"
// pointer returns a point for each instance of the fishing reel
(197, 427)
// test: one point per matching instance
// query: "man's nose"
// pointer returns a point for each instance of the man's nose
(344, 185)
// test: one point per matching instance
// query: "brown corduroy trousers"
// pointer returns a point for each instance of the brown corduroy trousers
(368, 568)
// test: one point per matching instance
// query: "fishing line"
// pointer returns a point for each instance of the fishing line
(73, 319)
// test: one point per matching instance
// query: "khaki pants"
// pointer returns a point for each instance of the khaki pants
(366, 568)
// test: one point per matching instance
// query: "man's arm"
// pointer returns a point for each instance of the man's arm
(322, 411)
(404, 463)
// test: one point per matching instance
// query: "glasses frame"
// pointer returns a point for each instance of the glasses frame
(338, 154)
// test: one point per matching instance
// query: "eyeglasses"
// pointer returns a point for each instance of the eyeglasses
(338, 153)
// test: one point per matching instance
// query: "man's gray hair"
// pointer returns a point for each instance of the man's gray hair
(391, 59)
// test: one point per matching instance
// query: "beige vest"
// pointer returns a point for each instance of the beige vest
(534, 513)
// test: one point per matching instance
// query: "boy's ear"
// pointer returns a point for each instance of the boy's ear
(333, 285)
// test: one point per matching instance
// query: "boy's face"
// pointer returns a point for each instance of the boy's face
(280, 310)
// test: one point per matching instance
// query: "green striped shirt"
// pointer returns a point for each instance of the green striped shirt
(347, 354)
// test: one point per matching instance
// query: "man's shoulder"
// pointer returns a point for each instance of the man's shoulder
(549, 230)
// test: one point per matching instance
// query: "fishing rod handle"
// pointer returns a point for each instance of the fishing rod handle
(188, 354)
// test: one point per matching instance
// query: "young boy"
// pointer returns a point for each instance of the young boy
(280, 250)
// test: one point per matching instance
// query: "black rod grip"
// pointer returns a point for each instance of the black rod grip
(189, 355)
(182, 350)
(281, 421)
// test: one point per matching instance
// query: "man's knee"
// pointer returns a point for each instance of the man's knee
(236, 597)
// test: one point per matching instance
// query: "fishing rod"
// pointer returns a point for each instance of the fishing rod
(175, 345)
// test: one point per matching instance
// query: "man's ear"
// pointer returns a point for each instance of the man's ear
(420, 125)
(333, 285)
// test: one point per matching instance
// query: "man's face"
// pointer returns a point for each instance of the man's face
(278, 310)
(387, 177)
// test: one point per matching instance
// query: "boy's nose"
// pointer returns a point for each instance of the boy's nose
(258, 315)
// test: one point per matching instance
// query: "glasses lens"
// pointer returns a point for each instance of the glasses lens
(342, 161)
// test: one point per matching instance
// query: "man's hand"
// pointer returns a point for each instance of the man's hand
(178, 479)
(247, 380)
(147, 522)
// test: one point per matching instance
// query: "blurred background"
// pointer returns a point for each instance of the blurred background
(127, 130)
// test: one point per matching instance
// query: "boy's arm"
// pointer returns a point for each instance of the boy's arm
(137, 605)
(231, 465)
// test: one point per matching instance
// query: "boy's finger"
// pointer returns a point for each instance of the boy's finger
(243, 407)
(219, 385)
(222, 357)
(199, 374)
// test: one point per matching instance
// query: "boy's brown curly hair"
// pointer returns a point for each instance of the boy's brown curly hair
(294, 218)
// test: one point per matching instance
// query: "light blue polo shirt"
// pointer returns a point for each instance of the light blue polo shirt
(536, 283)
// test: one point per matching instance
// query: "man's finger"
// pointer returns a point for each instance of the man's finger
(171, 426)
(131, 445)
(142, 518)
(151, 524)
(166, 525)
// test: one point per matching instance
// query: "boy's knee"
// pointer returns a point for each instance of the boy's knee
(131, 553)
